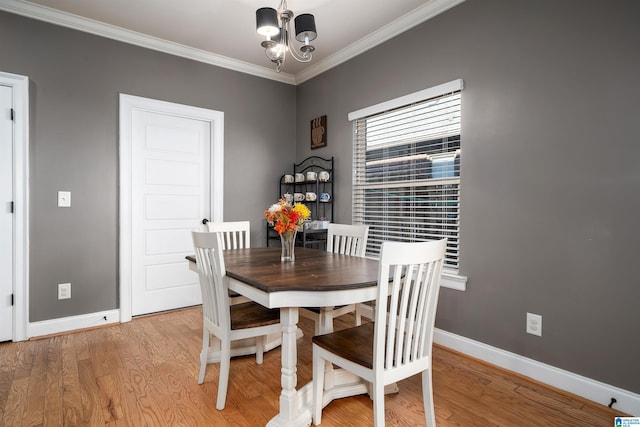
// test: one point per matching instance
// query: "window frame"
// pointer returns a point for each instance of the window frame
(450, 276)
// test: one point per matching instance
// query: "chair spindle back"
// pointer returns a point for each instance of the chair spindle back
(213, 283)
(235, 234)
(407, 310)
(347, 239)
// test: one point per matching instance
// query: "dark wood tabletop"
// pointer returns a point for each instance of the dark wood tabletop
(313, 270)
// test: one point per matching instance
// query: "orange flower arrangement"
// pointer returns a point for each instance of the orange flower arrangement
(286, 217)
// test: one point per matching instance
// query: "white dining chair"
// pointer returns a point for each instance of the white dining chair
(235, 235)
(226, 322)
(345, 239)
(398, 344)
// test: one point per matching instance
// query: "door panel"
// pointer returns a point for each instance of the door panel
(171, 190)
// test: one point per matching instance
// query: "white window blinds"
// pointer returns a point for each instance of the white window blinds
(406, 183)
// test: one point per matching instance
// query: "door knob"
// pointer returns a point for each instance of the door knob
(205, 221)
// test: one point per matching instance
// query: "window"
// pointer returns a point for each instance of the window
(406, 183)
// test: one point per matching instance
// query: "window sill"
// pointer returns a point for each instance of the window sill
(451, 280)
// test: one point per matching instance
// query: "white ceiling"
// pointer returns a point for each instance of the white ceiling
(222, 32)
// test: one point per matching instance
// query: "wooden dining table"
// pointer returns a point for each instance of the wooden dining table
(315, 279)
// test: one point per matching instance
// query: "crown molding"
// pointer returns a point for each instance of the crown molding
(389, 31)
(86, 25)
(400, 25)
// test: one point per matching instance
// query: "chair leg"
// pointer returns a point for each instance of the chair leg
(324, 322)
(358, 315)
(260, 349)
(204, 355)
(378, 404)
(223, 380)
(318, 387)
(427, 398)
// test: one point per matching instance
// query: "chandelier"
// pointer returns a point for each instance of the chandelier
(277, 33)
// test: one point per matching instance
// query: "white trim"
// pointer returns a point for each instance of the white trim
(72, 323)
(20, 86)
(598, 392)
(439, 90)
(453, 281)
(400, 25)
(415, 17)
(128, 103)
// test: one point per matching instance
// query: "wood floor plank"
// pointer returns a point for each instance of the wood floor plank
(6, 378)
(109, 399)
(53, 402)
(181, 348)
(144, 373)
(22, 361)
(549, 400)
(14, 408)
(71, 397)
(8, 352)
(91, 397)
(135, 377)
(123, 398)
(202, 401)
(81, 345)
(98, 346)
(358, 410)
(34, 410)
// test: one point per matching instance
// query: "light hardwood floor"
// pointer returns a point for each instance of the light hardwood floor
(144, 373)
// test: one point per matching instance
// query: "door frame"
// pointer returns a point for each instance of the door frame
(128, 104)
(20, 86)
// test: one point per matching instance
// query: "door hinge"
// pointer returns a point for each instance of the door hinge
(12, 299)
(12, 207)
(13, 114)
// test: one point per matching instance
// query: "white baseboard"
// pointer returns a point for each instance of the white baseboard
(66, 324)
(593, 390)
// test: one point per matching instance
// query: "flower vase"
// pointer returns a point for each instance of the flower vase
(288, 240)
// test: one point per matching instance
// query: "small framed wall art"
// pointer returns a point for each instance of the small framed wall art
(319, 132)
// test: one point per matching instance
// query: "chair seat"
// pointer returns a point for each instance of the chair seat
(354, 344)
(251, 315)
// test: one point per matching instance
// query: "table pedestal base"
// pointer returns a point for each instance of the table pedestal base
(345, 384)
(296, 405)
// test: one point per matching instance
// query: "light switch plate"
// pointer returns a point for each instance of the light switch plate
(64, 199)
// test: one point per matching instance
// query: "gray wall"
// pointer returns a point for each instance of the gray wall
(75, 81)
(550, 169)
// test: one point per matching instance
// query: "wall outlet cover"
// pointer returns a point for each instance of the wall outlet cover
(534, 324)
(64, 290)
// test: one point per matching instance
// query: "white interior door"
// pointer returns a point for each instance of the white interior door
(168, 185)
(6, 215)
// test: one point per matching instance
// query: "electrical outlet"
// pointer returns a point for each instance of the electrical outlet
(64, 290)
(534, 324)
